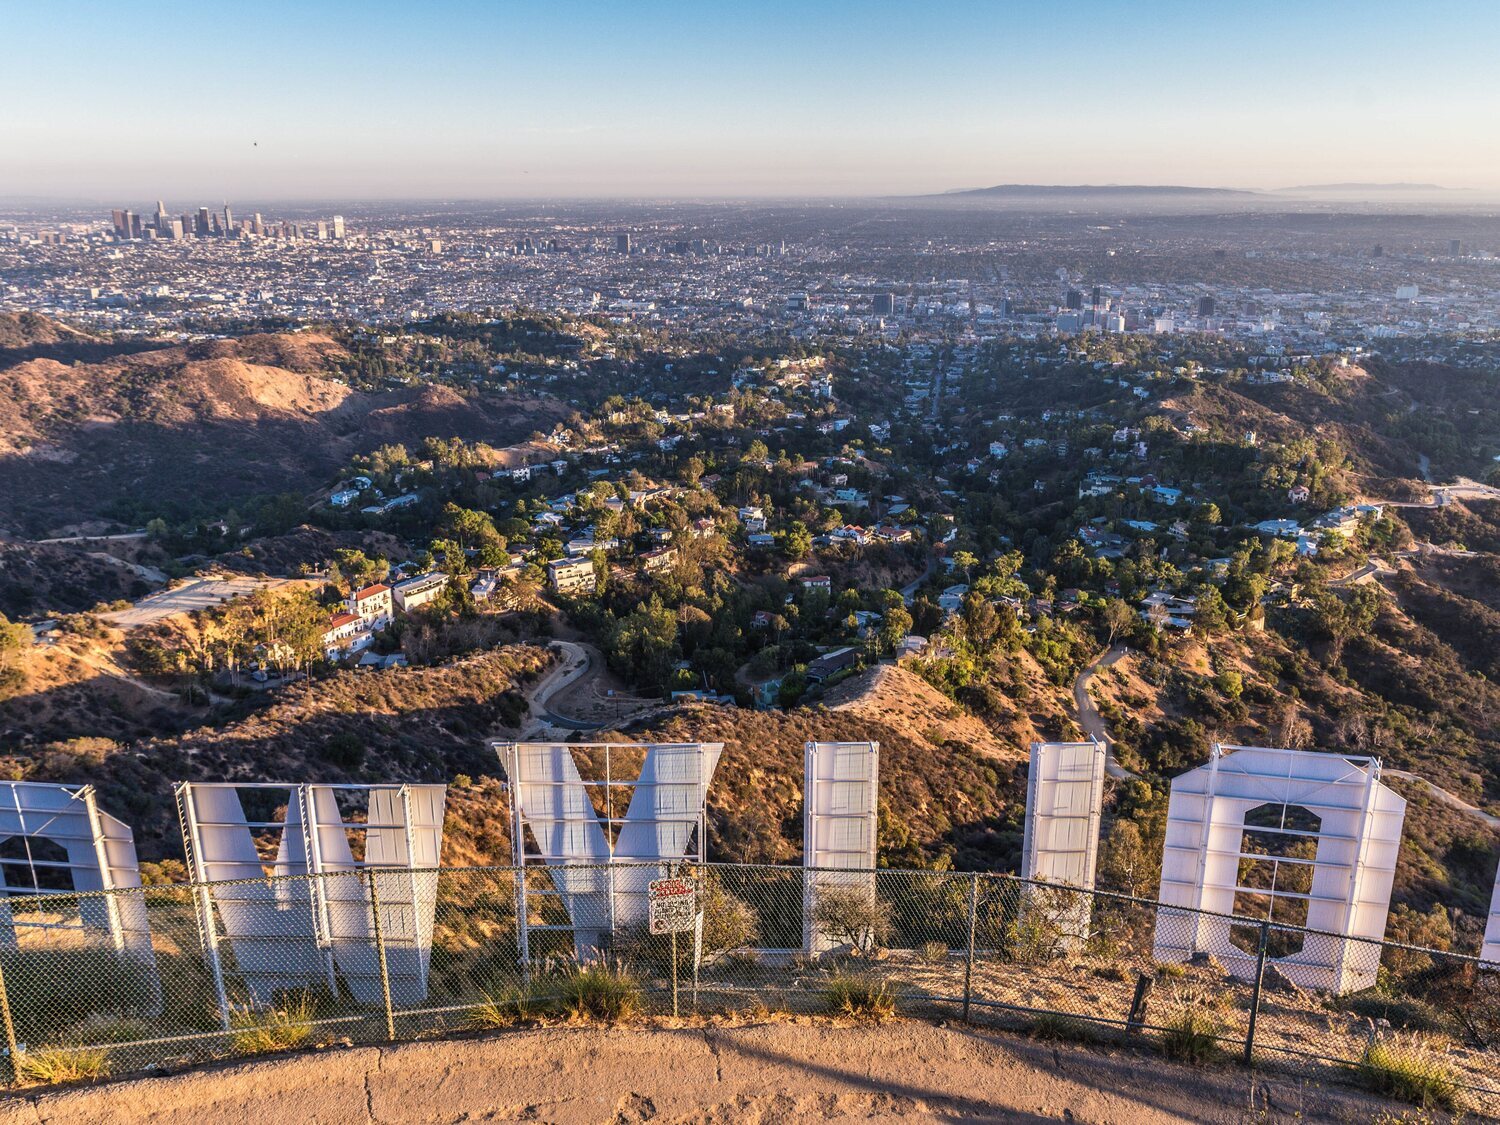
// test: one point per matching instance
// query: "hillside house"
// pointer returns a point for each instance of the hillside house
(419, 590)
(572, 576)
(345, 634)
(831, 663)
(659, 560)
(373, 605)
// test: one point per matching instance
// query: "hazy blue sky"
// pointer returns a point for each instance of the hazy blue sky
(443, 98)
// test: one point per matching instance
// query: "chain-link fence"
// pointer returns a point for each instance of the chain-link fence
(240, 968)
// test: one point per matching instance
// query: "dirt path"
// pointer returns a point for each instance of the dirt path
(1088, 715)
(114, 672)
(758, 1074)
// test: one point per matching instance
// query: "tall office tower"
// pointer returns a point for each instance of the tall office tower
(322, 231)
(338, 226)
(1004, 308)
(174, 229)
(1073, 300)
(885, 304)
(133, 223)
(204, 227)
(622, 243)
(1378, 252)
(256, 226)
(1455, 247)
(1205, 306)
(161, 215)
(228, 222)
(1097, 294)
(122, 227)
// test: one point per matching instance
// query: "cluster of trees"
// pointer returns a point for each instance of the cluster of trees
(15, 639)
(279, 630)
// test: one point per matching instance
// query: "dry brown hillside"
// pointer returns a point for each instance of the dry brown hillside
(22, 330)
(209, 423)
(416, 724)
(943, 800)
(904, 701)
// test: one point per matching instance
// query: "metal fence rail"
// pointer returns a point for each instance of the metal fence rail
(239, 968)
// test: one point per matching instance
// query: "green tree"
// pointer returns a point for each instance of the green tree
(796, 541)
(15, 639)
(1119, 619)
(643, 644)
(894, 627)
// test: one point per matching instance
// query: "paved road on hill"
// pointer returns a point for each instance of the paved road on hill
(1462, 488)
(195, 594)
(95, 538)
(1372, 571)
(1443, 797)
(909, 591)
(574, 663)
(1088, 715)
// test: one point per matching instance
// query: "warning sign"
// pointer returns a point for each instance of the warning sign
(673, 904)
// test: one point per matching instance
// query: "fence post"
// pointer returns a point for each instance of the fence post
(385, 972)
(969, 954)
(1260, 973)
(12, 1051)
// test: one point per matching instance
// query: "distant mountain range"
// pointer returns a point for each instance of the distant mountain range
(1153, 196)
(1095, 191)
(1368, 187)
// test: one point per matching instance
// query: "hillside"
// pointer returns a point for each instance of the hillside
(417, 724)
(209, 423)
(901, 699)
(23, 330)
(60, 578)
(944, 802)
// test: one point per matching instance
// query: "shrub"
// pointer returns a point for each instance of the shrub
(505, 1008)
(344, 750)
(257, 1030)
(729, 922)
(1192, 1033)
(851, 914)
(601, 991)
(52, 1065)
(1032, 939)
(861, 997)
(1054, 1025)
(1406, 1013)
(932, 952)
(1411, 1069)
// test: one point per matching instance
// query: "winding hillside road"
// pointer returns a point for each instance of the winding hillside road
(1443, 797)
(1088, 715)
(574, 664)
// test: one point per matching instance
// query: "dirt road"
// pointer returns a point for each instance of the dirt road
(761, 1073)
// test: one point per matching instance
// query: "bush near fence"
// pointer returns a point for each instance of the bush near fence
(1036, 958)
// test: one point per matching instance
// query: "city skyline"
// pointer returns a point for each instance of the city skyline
(333, 100)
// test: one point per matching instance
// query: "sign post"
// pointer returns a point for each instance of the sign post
(672, 906)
